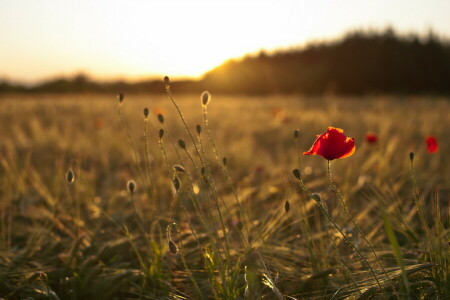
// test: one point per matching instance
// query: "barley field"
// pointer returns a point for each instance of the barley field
(98, 201)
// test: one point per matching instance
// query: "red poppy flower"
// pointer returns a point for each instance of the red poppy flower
(432, 145)
(332, 144)
(371, 138)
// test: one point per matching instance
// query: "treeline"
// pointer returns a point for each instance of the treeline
(83, 84)
(360, 62)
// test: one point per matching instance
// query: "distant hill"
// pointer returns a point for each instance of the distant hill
(360, 62)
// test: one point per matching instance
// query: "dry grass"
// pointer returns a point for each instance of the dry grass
(233, 239)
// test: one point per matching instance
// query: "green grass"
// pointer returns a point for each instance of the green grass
(225, 231)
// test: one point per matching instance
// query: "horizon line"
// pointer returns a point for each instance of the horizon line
(130, 79)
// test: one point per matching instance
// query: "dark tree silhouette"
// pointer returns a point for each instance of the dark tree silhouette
(360, 62)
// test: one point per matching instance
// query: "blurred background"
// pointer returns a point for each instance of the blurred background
(279, 72)
(251, 47)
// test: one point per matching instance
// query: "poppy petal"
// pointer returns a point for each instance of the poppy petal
(332, 144)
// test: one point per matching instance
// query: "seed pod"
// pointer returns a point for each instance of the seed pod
(120, 96)
(179, 168)
(160, 118)
(166, 80)
(199, 129)
(316, 197)
(287, 206)
(161, 133)
(411, 156)
(205, 97)
(146, 112)
(131, 186)
(224, 161)
(296, 173)
(176, 183)
(296, 133)
(182, 144)
(70, 176)
(173, 247)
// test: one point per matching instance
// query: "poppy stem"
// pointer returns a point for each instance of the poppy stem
(349, 216)
(419, 206)
(324, 209)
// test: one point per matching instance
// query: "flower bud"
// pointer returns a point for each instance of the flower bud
(287, 206)
(146, 112)
(120, 96)
(205, 97)
(166, 80)
(70, 176)
(160, 118)
(316, 197)
(179, 168)
(176, 183)
(173, 247)
(131, 186)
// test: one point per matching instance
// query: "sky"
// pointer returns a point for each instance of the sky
(137, 39)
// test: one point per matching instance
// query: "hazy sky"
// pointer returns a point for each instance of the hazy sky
(109, 39)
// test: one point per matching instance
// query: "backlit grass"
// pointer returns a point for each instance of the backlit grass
(101, 199)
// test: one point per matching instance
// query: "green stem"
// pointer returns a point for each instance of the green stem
(419, 207)
(215, 197)
(350, 217)
(147, 160)
(180, 200)
(169, 93)
(183, 261)
(324, 209)
(228, 178)
(133, 145)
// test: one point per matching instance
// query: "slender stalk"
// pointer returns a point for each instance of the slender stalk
(180, 201)
(183, 261)
(305, 223)
(193, 196)
(75, 206)
(242, 212)
(324, 209)
(419, 206)
(350, 217)
(169, 93)
(140, 222)
(212, 189)
(133, 145)
(147, 160)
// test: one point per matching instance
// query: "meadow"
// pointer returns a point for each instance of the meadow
(99, 201)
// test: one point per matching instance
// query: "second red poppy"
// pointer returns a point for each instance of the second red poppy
(432, 145)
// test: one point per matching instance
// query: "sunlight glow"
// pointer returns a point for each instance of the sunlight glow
(115, 39)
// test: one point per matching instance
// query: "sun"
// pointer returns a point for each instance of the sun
(182, 42)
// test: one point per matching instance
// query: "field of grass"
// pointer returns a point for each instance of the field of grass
(230, 220)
